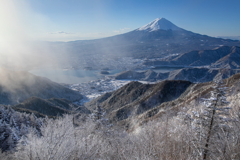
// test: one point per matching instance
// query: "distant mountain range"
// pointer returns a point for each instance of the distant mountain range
(230, 37)
(221, 57)
(159, 38)
(194, 75)
(197, 66)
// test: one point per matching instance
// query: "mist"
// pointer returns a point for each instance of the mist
(20, 30)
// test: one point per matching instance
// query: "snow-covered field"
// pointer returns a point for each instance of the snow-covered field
(95, 88)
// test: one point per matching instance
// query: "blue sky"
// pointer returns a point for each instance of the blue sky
(64, 20)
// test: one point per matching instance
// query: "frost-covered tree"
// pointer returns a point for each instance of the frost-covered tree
(101, 122)
(14, 125)
(98, 113)
(212, 123)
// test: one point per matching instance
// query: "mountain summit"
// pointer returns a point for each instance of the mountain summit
(158, 39)
(157, 24)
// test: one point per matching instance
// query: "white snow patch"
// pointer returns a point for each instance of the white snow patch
(157, 24)
(96, 88)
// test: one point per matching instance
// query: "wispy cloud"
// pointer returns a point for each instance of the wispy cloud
(60, 32)
(122, 30)
(71, 36)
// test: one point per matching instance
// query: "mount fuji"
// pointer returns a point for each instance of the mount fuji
(157, 39)
(157, 24)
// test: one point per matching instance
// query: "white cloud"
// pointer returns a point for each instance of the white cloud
(122, 30)
(68, 36)
(60, 32)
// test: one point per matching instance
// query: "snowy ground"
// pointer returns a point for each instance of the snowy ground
(93, 89)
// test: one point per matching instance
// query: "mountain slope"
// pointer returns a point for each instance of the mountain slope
(136, 103)
(195, 75)
(49, 107)
(191, 98)
(17, 86)
(222, 56)
(136, 98)
(232, 60)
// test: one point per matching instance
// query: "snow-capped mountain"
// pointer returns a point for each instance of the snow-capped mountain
(158, 39)
(159, 23)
